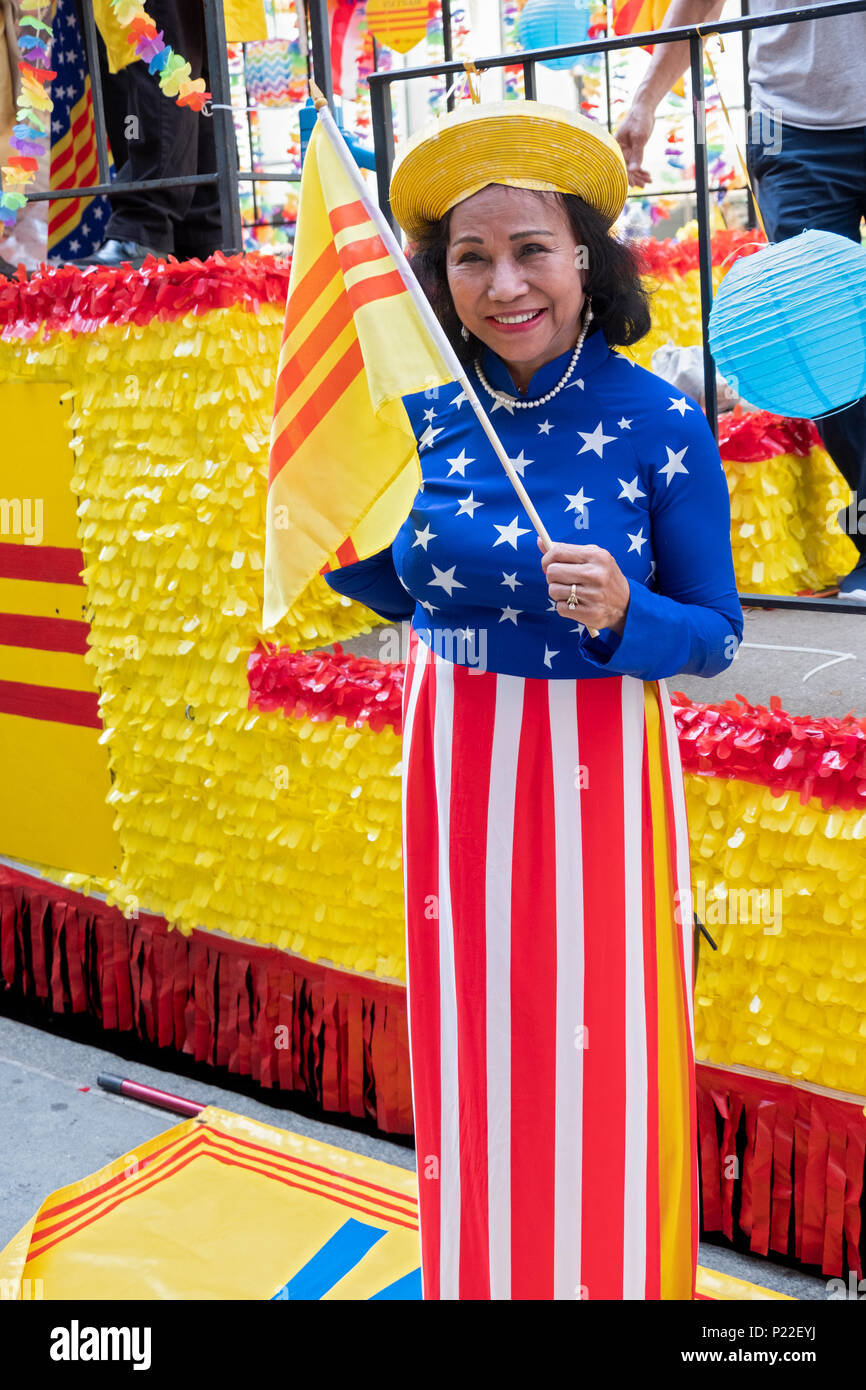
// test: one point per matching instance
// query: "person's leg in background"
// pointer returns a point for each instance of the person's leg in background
(807, 179)
(164, 139)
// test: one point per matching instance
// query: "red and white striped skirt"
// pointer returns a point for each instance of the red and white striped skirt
(550, 985)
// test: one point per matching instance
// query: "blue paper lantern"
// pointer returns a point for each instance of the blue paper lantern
(546, 23)
(788, 325)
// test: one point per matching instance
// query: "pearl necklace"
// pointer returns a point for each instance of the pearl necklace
(514, 402)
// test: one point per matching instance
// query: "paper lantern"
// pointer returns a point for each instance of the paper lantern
(545, 23)
(788, 325)
(396, 23)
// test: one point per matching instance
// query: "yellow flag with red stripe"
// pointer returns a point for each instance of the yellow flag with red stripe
(343, 462)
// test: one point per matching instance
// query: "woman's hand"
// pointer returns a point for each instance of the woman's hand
(602, 588)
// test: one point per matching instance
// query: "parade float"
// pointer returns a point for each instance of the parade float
(200, 821)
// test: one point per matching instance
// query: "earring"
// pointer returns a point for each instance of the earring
(464, 333)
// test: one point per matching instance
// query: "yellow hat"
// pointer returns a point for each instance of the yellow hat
(524, 144)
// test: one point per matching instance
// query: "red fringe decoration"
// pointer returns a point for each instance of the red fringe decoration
(228, 1003)
(665, 259)
(327, 685)
(803, 1152)
(73, 300)
(80, 300)
(750, 436)
(824, 758)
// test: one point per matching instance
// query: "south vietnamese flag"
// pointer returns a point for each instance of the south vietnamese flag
(359, 335)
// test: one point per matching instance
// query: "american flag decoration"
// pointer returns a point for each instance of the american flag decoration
(76, 226)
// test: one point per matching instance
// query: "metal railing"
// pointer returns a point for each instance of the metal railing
(383, 142)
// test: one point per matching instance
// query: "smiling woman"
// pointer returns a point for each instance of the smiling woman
(545, 850)
(470, 270)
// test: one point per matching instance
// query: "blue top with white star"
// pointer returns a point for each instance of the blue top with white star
(617, 459)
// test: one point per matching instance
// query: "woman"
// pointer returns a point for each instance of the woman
(545, 842)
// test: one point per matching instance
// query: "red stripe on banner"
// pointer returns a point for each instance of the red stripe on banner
(79, 707)
(472, 747)
(296, 369)
(346, 552)
(49, 564)
(599, 706)
(323, 399)
(361, 252)
(376, 287)
(316, 280)
(44, 634)
(421, 878)
(626, 16)
(533, 1005)
(653, 1175)
(348, 215)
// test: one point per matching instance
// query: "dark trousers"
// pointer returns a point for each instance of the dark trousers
(807, 179)
(163, 139)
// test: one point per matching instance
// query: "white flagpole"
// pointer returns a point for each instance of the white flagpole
(422, 304)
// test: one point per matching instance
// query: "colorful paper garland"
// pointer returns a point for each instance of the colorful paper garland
(175, 73)
(32, 131)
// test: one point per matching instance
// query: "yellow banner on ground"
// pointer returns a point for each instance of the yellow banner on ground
(343, 464)
(223, 1208)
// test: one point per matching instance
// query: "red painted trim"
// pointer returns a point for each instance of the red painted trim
(45, 564)
(43, 634)
(80, 707)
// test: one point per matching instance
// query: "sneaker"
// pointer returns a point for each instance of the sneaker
(853, 586)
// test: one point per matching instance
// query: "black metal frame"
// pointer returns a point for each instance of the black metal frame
(383, 143)
(383, 129)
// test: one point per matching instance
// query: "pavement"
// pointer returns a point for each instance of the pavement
(56, 1125)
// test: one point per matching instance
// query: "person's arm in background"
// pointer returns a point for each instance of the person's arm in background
(669, 62)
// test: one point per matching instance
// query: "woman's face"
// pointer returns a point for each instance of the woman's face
(514, 277)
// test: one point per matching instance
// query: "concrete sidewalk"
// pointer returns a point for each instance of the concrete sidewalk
(56, 1126)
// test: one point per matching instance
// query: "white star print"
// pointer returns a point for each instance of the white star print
(459, 399)
(423, 537)
(468, 505)
(595, 441)
(570, 387)
(630, 491)
(652, 569)
(521, 462)
(75, 245)
(674, 464)
(430, 414)
(681, 405)
(445, 580)
(428, 437)
(624, 424)
(545, 427)
(510, 533)
(502, 405)
(577, 502)
(548, 655)
(578, 629)
(511, 580)
(637, 541)
(459, 464)
(98, 214)
(511, 614)
(431, 607)
(56, 126)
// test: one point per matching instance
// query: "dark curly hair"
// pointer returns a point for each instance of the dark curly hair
(620, 303)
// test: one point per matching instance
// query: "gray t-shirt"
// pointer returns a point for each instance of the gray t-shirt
(813, 73)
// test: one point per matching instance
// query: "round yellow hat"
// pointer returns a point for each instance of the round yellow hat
(524, 144)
